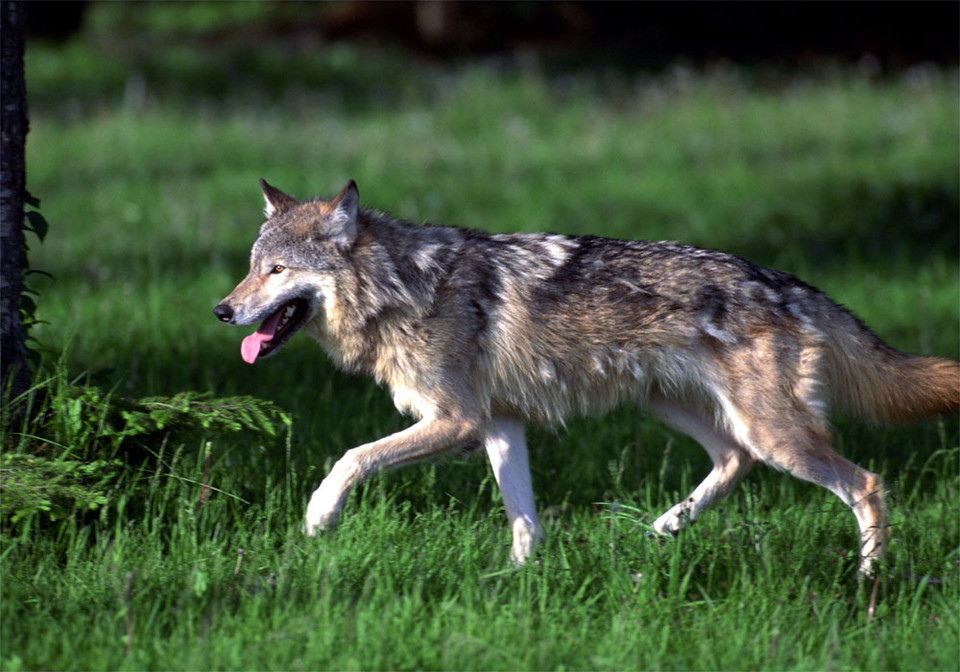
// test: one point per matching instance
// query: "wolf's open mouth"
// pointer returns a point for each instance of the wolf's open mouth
(275, 330)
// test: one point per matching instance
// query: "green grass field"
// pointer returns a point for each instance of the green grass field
(146, 160)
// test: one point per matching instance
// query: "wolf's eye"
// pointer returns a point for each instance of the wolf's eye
(279, 268)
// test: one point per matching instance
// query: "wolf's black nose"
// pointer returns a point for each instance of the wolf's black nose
(224, 312)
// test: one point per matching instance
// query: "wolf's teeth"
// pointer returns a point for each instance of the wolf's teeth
(288, 313)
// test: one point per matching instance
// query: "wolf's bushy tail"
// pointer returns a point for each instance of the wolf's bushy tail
(873, 381)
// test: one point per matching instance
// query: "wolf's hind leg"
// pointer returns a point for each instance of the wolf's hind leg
(792, 438)
(427, 438)
(731, 462)
(506, 445)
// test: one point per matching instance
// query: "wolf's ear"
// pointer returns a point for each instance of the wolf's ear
(276, 200)
(341, 228)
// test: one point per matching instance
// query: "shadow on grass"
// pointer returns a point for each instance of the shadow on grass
(915, 221)
(223, 78)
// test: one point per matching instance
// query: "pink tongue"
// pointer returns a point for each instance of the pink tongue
(250, 348)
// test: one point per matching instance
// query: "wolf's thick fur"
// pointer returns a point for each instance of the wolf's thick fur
(477, 334)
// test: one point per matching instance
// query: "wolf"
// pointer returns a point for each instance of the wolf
(478, 334)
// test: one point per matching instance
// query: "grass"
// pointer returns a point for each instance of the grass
(146, 161)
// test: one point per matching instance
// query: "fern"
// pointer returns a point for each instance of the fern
(82, 443)
(30, 484)
(198, 412)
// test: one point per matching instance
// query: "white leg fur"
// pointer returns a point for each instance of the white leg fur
(323, 511)
(426, 438)
(506, 445)
(730, 463)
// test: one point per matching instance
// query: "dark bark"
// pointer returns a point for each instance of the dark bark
(13, 132)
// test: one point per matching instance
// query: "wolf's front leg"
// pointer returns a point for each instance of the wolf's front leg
(426, 438)
(506, 446)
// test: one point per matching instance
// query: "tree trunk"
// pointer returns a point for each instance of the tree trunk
(13, 132)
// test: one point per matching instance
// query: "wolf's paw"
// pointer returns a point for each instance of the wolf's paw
(527, 535)
(670, 523)
(313, 528)
(321, 515)
(873, 548)
(316, 524)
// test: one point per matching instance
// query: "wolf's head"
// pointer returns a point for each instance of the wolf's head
(293, 267)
